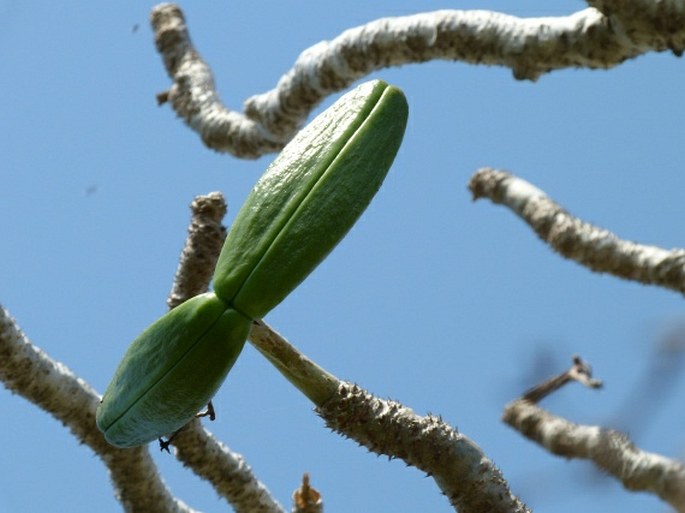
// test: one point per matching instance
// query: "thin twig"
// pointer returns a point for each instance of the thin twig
(595, 248)
(314, 382)
(529, 46)
(610, 450)
(580, 372)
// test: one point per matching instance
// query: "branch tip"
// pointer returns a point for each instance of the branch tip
(307, 499)
(580, 371)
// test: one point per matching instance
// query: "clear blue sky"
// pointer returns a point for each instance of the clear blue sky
(433, 300)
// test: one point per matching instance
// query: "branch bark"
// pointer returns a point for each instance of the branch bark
(459, 467)
(205, 238)
(595, 248)
(469, 479)
(27, 370)
(601, 37)
(30, 372)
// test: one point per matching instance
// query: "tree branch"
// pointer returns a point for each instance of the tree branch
(459, 467)
(610, 450)
(28, 371)
(592, 38)
(317, 384)
(227, 471)
(597, 249)
(471, 482)
(307, 499)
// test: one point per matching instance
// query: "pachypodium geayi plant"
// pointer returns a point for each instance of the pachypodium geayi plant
(303, 205)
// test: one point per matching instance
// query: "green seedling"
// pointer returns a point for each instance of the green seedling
(304, 204)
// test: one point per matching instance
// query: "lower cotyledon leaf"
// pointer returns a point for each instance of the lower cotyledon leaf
(171, 371)
(304, 204)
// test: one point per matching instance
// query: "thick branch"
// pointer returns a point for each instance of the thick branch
(194, 97)
(28, 371)
(529, 46)
(610, 450)
(656, 25)
(464, 474)
(595, 248)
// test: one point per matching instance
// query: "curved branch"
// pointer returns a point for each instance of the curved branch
(610, 450)
(194, 97)
(31, 373)
(595, 248)
(529, 46)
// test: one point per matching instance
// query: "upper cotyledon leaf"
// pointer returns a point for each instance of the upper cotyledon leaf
(310, 197)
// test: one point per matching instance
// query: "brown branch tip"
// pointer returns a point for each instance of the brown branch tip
(580, 371)
(305, 497)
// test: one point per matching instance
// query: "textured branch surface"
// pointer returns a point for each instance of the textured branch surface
(610, 450)
(229, 474)
(597, 249)
(194, 97)
(30, 372)
(464, 474)
(592, 38)
(459, 467)
(205, 238)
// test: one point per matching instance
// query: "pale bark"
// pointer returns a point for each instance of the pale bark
(595, 248)
(602, 36)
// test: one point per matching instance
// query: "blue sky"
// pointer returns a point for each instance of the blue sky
(441, 303)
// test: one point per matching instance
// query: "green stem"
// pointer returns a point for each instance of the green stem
(310, 379)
